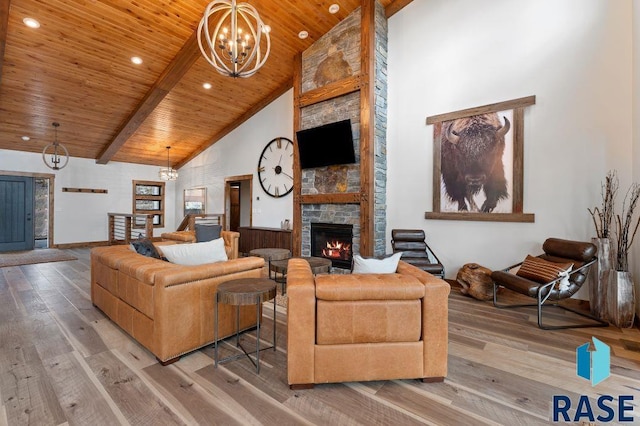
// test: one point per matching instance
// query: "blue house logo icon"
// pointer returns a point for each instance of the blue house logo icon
(593, 361)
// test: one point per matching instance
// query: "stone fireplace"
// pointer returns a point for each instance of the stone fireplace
(334, 242)
(332, 86)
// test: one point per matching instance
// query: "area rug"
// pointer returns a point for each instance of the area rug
(29, 257)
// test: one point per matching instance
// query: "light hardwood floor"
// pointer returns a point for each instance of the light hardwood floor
(63, 362)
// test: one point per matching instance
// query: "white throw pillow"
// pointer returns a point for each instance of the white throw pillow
(196, 253)
(387, 265)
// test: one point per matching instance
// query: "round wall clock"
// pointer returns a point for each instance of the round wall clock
(275, 167)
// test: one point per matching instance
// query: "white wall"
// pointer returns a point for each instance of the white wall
(636, 135)
(237, 154)
(82, 217)
(574, 55)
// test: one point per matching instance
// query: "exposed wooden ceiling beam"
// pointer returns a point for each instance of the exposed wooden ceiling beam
(178, 67)
(396, 7)
(237, 122)
(4, 25)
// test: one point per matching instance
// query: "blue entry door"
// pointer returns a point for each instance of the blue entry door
(16, 213)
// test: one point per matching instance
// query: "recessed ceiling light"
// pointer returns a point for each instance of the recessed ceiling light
(136, 60)
(25, 138)
(31, 23)
(334, 8)
(206, 85)
(303, 34)
(266, 28)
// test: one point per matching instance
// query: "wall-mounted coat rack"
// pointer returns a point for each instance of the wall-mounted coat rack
(90, 190)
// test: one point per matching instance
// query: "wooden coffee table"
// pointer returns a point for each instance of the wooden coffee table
(319, 265)
(246, 291)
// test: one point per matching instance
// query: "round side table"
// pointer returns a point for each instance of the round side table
(246, 291)
(319, 265)
(271, 254)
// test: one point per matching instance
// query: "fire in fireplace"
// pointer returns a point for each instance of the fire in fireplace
(332, 241)
(337, 249)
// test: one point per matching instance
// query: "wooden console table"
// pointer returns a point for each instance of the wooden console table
(252, 237)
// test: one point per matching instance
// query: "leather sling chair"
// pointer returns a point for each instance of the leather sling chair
(415, 251)
(555, 275)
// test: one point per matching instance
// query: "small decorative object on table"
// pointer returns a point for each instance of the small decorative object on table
(475, 281)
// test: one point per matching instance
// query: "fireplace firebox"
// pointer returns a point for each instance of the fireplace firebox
(334, 242)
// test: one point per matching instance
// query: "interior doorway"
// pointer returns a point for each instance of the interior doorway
(238, 198)
(38, 216)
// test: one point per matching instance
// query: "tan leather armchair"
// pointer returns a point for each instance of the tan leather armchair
(362, 327)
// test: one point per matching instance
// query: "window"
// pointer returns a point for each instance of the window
(148, 198)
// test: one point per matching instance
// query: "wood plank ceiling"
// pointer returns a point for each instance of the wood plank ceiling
(75, 69)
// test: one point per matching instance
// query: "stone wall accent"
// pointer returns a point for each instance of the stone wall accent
(341, 178)
(333, 57)
(336, 55)
(380, 162)
(343, 214)
(41, 209)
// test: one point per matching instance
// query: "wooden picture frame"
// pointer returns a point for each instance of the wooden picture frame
(464, 198)
(195, 201)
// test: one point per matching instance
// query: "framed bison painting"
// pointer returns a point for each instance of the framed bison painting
(478, 163)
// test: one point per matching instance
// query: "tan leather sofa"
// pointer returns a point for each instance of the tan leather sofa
(362, 327)
(169, 308)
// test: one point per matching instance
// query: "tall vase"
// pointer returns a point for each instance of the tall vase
(597, 292)
(620, 298)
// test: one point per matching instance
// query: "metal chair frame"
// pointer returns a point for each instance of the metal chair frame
(545, 289)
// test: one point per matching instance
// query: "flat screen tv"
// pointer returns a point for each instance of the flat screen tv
(326, 145)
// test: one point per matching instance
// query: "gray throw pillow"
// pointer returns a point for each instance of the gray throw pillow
(145, 247)
(207, 232)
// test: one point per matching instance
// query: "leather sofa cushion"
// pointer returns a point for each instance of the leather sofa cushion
(143, 268)
(368, 287)
(111, 255)
(368, 321)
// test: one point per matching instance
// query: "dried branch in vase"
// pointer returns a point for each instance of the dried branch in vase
(623, 226)
(602, 217)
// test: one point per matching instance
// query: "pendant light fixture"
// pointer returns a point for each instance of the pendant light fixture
(233, 38)
(168, 173)
(59, 156)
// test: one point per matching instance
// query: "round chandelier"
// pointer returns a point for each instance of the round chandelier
(233, 38)
(59, 156)
(168, 173)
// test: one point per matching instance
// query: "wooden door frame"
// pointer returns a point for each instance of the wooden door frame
(51, 178)
(227, 196)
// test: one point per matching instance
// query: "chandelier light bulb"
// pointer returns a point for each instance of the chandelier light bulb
(232, 39)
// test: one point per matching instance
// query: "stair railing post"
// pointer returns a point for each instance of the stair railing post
(148, 226)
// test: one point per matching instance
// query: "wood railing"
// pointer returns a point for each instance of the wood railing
(121, 227)
(190, 220)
